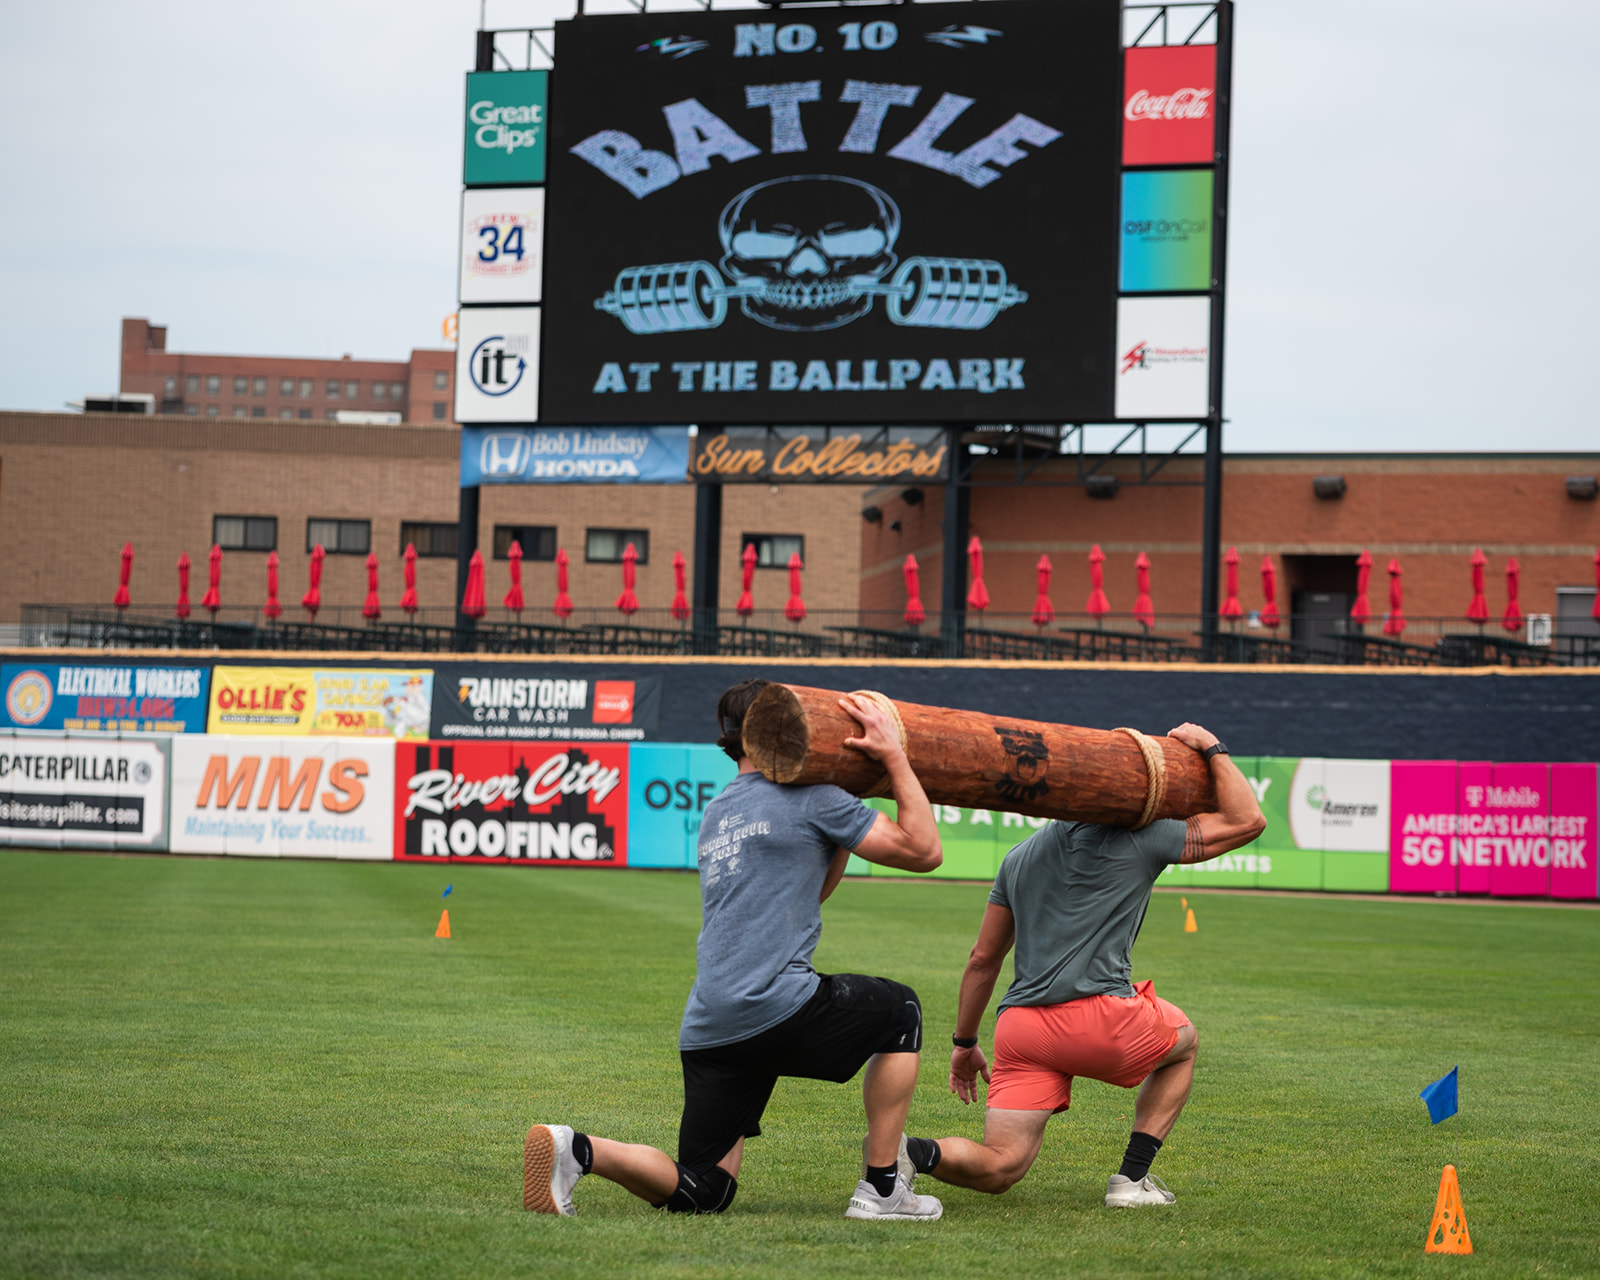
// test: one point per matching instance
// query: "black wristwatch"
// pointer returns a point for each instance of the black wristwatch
(1215, 749)
(964, 1042)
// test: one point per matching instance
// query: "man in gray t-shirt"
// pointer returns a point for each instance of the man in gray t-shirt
(769, 856)
(1071, 899)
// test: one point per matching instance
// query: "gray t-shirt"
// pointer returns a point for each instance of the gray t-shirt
(764, 851)
(1079, 892)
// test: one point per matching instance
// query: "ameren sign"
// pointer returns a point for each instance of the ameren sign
(505, 127)
(826, 455)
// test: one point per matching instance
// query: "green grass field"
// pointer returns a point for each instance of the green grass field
(237, 1068)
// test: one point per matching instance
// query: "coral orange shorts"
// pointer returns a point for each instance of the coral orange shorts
(1118, 1039)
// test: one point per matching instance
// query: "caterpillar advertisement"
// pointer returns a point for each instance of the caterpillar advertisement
(894, 214)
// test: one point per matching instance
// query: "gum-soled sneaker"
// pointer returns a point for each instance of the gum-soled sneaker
(549, 1170)
(902, 1205)
(902, 1162)
(1125, 1193)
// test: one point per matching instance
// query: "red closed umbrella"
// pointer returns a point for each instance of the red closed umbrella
(1478, 610)
(1361, 610)
(978, 595)
(747, 576)
(372, 607)
(795, 610)
(122, 599)
(312, 600)
(408, 599)
(1098, 605)
(1511, 619)
(182, 607)
(627, 602)
(1395, 623)
(562, 608)
(1144, 609)
(680, 600)
(1231, 608)
(1044, 612)
(513, 600)
(1269, 592)
(213, 597)
(472, 602)
(915, 615)
(272, 609)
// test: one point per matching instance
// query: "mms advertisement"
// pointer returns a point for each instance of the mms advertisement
(104, 699)
(891, 215)
(349, 703)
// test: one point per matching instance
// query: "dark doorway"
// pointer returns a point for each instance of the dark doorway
(1321, 591)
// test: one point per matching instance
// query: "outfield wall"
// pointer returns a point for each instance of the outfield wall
(548, 763)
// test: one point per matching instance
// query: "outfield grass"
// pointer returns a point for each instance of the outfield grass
(241, 1068)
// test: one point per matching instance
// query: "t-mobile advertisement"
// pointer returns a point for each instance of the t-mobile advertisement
(549, 802)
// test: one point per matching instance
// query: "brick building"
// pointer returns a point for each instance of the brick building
(285, 387)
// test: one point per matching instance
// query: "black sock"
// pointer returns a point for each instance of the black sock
(882, 1180)
(583, 1151)
(1136, 1160)
(924, 1153)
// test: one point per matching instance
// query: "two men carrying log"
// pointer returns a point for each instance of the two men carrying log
(1070, 899)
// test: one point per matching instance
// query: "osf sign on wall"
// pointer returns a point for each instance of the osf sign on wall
(1169, 113)
(512, 802)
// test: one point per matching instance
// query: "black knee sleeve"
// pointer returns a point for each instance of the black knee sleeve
(708, 1192)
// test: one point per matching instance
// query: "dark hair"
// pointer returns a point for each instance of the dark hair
(731, 708)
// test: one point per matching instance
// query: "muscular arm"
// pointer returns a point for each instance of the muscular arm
(910, 840)
(830, 882)
(1238, 819)
(995, 937)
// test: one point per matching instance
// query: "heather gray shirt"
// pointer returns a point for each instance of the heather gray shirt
(764, 851)
(1079, 893)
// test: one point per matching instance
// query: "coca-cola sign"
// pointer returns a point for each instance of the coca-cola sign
(1169, 105)
(523, 802)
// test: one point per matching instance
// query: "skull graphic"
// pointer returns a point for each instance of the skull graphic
(808, 250)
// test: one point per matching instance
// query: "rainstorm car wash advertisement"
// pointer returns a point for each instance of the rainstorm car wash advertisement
(504, 701)
(349, 702)
(293, 797)
(104, 699)
(548, 803)
(98, 793)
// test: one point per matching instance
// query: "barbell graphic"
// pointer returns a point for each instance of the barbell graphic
(924, 293)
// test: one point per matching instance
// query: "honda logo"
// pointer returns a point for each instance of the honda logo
(504, 453)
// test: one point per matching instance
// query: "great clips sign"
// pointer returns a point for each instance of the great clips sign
(848, 214)
(1169, 110)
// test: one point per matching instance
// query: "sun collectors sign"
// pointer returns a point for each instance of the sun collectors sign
(830, 218)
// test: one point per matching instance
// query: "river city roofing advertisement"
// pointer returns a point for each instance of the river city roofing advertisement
(350, 702)
(104, 699)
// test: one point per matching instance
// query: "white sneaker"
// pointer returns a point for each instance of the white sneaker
(902, 1162)
(1125, 1193)
(549, 1170)
(902, 1204)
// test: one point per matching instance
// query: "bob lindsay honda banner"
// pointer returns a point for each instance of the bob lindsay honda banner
(101, 793)
(501, 802)
(104, 699)
(290, 797)
(353, 702)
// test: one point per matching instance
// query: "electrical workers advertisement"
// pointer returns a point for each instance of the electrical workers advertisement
(103, 698)
(490, 701)
(283, 797)
(345, 702)
(89, 792)
(550, 803)
(882, 215)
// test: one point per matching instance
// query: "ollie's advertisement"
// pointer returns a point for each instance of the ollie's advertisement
(543, 802)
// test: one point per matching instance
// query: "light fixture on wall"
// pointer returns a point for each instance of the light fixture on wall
(872, 515)
(894, 526)
(1102, 486)
(911, 497)
(1583, 488)
(1328, 486)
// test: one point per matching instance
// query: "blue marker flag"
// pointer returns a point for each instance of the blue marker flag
(1441, 1097)
(447, 889)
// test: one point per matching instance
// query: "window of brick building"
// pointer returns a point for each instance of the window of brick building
(192, 410)
(171, 386)
(340, 537)
(285, 386)
(352, 391)
(258, 386)
(213, 411)
(241, 411)
(432, 541)
(305, 414)
(213, 383)
(605, 546)
(441, 410)
(397, 390)
(773, 549)
(333, 388)
(245, 533)
(307, 388)
(258, 411)
(441, 380)
(191, 384)
(241, 385)
(380, 390)
(332, 415)
(538, 541)
(286, 413)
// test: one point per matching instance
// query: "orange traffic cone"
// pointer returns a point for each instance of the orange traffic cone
(1189, 926)
(1448, 1234)
(443, 931)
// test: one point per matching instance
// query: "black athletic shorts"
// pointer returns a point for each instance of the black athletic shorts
(830, 1037)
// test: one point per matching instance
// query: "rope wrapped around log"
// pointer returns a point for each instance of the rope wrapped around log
(1119, 777)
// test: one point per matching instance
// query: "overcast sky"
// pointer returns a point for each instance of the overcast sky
(1409, 268)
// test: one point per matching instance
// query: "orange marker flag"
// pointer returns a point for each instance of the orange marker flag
(1448, 1232)
(443, 931)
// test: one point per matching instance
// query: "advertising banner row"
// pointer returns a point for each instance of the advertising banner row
(1373, 826)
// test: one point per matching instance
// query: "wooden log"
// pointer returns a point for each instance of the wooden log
(796, 735)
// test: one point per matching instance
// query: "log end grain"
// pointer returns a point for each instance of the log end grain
(777, 734)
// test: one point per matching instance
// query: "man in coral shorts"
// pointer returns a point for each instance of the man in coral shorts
(1071, 898)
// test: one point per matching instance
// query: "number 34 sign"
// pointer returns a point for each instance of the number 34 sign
(502, 244)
